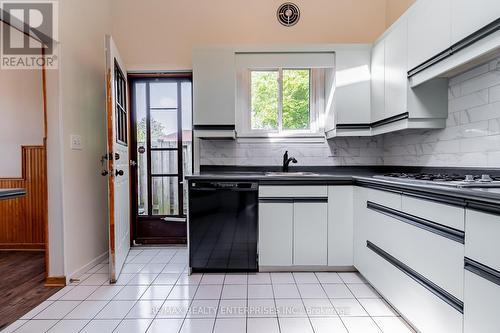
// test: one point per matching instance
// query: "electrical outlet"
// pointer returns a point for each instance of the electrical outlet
(76, 142)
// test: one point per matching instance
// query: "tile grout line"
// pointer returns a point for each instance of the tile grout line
(165, 300)
(330, 301)
(302, 300)
(137, 301)
(274, 301)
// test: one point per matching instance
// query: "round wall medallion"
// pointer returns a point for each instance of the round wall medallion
(288, 14)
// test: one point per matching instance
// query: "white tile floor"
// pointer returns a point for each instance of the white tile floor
(155, 294)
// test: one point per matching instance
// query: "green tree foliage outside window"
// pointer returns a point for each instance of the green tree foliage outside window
(295, 96)
(265, 96)
(295, 99)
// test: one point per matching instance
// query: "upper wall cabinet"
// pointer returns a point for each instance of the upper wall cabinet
(378, 81)
(213, 88)
(429, 29)
(396, 67)
(350, 115)
(468, 16)
(394, 104)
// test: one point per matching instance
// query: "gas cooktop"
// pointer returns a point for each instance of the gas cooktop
(444, 179)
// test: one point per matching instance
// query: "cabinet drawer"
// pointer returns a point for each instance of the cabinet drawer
(482, 234)
(482, 300)
(451, 216)
(292, 191)
(420, 305)
(385, 198)
(431, 252)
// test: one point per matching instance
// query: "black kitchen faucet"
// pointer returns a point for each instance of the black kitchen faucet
(286, 161)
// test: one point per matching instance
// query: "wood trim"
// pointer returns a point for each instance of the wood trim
(45, 134)
(111, 184)
(55, 281)
(23, 247)
(23, 220)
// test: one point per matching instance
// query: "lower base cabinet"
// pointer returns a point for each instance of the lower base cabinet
(293, 227)
(310, 233)
(482, 304)
(392, 256)
(275, 233)
(422, 308)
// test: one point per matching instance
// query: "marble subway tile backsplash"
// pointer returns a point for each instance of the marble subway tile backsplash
(472, 134)
(471, 137)
(354, 151)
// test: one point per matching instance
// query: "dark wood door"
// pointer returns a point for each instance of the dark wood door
(161, 150)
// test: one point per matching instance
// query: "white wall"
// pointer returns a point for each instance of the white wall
(21, 116)
(78, 193)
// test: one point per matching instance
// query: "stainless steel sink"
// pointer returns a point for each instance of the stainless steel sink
(290, 174)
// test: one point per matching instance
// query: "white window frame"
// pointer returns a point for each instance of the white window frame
(316, 106)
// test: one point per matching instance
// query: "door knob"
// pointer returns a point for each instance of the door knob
(104, 173)
(119, 172)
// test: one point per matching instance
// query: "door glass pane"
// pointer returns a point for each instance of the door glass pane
(163, 128)
(163, 94)
(264, 99)
(142, 158)
(163, 161)
(296, 91)
(165, 195)
(187, 137)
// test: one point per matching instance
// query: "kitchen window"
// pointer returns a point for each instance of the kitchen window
(280, 101)
(283, 95)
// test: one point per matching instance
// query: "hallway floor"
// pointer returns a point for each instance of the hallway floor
(22, 282)
(155, 294)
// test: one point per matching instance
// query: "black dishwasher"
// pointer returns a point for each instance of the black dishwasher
(223, 226)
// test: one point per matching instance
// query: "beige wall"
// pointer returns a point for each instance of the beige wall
(154, 34)
(21, 116)
(394, 9)
(82, 107)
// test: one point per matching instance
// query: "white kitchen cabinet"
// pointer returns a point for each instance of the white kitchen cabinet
(394, 104)
(482, 231)
(378, 81)
(468, 16)
(445, 214)
(310, 233)
(417, 304)
(292, 191)
(482, 301)
(340, 226)
(405, 244)
(293, 226)
(352, 86)
(275, 233)
(214, 87)
(436, 257)
(396, 68)
(429, 30)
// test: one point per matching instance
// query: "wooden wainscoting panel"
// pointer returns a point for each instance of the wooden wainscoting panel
(22, 220)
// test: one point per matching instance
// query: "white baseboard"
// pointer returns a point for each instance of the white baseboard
(77, 273)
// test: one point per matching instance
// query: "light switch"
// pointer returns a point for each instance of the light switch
(76, 142)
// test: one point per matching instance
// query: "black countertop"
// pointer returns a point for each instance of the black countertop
(10, 193)
(362, 177)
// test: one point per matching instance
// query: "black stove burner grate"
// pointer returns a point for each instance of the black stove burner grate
(427, 176)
